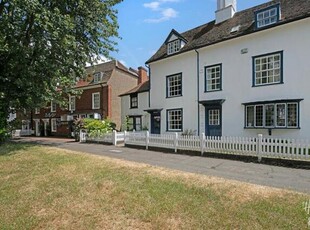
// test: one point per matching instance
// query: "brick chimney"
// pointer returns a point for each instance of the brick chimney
(226, 9)
(142, 75)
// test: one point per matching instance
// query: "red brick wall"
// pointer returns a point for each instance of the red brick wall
(84, 101)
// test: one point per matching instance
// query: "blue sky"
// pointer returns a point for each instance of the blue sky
(145, 24)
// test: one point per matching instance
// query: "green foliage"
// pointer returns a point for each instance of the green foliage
(4, 135)
(189, 132)
(126, 124)
(44, 46)
(97, 127)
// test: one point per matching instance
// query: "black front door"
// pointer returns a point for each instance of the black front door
(214, 120)
(155, 123)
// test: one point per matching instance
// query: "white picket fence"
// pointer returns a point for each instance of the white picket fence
(249, 146)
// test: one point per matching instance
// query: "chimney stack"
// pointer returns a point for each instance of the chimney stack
(226, 9)
(142, 75)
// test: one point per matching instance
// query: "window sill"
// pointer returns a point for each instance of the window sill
(211, 91)
(174, 131)
(174, 96)
(268, 84)
(271, 128)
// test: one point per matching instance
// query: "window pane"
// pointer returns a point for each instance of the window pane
(259, 115)
(214, 117)
(281, 115)
(269, 115)
(134, 101)
(250, 116)
(174, 120)
(267, 17)
(96, 101)
(173, 47)
(213, 78)
(292, 115)
(174, 85)
(269, 71)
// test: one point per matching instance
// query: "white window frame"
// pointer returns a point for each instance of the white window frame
(174, 46)
(214, 117)
(97, 77)
(213, 78)
(170, 123)
(54, 125)
(134, 101)
(267, 17)
(36, 110)
(174, 90)
(275, 115)
(267, 70)
(53, 107)
(285, 115)
(297, 115)
(72, 103)
(94, 106)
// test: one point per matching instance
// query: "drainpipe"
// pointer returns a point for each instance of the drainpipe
(198, 107)
(101, 103)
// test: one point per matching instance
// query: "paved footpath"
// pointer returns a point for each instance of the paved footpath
(261, 174)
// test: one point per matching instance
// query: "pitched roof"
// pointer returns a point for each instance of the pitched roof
(107, 69)
(142, 87)
(211, 33)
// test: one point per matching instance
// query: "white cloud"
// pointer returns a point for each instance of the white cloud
(152, 5)
(169, 1)
(165, 13)
(169, 13)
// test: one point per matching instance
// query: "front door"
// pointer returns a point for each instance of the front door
(214, 120)
(155, 123)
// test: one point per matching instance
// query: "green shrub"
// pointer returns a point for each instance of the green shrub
(4, 135)
(95, 127)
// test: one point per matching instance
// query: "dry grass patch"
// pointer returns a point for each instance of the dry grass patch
(49, 188)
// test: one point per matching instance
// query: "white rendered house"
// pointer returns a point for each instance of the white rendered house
(242, 74)
(135, 103)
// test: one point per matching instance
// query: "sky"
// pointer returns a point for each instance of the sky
(145, 24)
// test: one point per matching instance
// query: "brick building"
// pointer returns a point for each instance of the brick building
(99, 99)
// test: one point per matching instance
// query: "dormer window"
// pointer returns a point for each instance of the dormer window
(175, 42)
(174, 46)
(97, 77)
(268, 16)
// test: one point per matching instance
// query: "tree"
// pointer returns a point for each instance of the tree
(45, 44)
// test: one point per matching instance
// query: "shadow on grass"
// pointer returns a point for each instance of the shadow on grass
(10, 147)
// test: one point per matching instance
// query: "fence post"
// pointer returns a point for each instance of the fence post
(82, 136)
(259, 147)
(202, 143)
(147, 140)
(125, 135)
(176, 142)
(114, 138)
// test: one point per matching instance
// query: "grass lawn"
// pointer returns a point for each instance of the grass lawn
(50, 188)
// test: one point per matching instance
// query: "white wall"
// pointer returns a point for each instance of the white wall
(293, 39)
(143, 102)
(187, 65)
